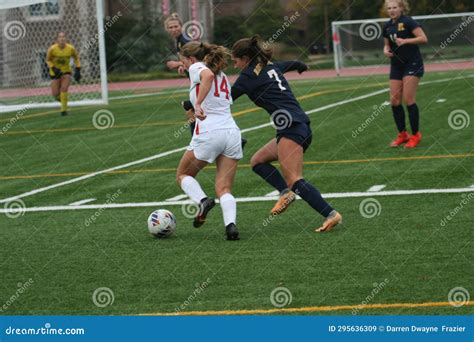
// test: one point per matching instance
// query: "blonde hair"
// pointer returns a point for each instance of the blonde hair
(214, 56)
(402, 3)
(172, 17)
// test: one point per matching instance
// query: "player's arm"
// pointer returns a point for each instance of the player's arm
(206, 78)
(417, 31)
(287, 66)
(238, 88)
(77, 63)
(387, 50)
(54, 72)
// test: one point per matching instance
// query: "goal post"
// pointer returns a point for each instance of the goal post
(27, 29)
(359, 43)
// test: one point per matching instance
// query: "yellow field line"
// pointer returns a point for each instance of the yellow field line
(73, 129)
(319, 162)
(303, 97)
(307, 309)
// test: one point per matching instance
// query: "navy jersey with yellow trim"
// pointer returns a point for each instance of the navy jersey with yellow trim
(269, 89)
(402, 28)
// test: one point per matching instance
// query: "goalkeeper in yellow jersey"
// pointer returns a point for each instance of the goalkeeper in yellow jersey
(59, 63)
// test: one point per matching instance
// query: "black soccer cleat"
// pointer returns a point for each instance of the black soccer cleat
(232, 232)
(204, 207)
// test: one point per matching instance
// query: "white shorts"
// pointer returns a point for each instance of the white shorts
(208, 146)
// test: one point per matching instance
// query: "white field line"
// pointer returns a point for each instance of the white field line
(241, 199)
(164, 154)
(84, 201)
(376, 188)
(170, 92)
(273, 193)
(176, 198)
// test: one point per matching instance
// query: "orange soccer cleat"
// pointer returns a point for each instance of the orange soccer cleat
(414, 140)
(283, 202)
(402, 137)
(331, 221)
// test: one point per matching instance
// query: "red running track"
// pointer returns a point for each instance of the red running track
(140, 86)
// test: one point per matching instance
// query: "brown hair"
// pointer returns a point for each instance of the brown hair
(402, 3)
(173, 17)
(214, 56)
(251, 48)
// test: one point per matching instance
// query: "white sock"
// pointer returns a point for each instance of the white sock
(229, 208)
(193, 189)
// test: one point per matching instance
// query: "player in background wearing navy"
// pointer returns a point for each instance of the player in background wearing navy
(216, 136)
(402, 35)
(265, 85)
(174, 27)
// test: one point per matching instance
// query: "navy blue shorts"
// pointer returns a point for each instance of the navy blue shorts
(299, 132)
(411, 68)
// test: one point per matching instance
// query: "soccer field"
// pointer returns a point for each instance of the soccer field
(74, 202)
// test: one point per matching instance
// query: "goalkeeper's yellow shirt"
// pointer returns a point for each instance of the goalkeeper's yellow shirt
(60, 58)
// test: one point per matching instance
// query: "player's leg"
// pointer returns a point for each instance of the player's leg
(55, 86)
(290, 156)
(396, 92)
(261, 165)
(410, 86)
(188, 168)
(226, 169)
(63, 96)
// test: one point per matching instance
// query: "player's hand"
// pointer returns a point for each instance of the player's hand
(55, 73)
(77, 74)
(388, 53)
(199, 112)
(190, 116)
(400, 41)
(181, 70)
(173, 64)
(302, 68)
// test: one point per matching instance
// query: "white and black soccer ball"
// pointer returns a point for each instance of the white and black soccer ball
(162, 223)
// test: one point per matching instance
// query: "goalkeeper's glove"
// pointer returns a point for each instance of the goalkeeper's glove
(77, 74)
(55, 73)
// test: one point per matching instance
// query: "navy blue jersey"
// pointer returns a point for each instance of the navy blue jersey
(181, 41)
(269, 89)
(402, 28)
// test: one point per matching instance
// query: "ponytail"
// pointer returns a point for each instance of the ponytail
(251, 48)
(214, 56)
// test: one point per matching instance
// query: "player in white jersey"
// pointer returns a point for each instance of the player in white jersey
(216, 135)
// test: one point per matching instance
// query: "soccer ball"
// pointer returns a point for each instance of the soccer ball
(162, 223)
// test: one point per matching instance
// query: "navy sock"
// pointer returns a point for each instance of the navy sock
(414, 115)
(271, 175)
(312, 196)
(399, 116)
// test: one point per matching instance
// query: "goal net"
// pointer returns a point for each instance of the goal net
(27, 29)
(360, 42)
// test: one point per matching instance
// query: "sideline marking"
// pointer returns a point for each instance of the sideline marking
(84, 201)
(376, 188)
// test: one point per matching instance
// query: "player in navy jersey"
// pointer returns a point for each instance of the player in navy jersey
(263, 82)
(174, 27)
(402, 35)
